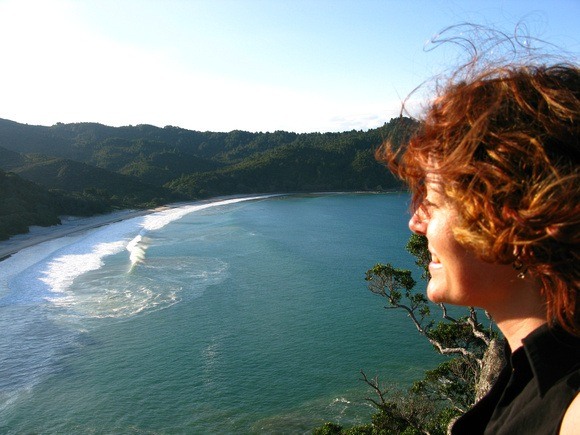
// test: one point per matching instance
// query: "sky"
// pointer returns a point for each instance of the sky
(253, 65)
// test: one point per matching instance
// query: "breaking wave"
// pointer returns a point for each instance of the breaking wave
(37, 275)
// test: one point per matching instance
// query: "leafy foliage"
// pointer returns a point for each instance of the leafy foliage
(118, 190)
(449, 389)
(417, 246)
(24, 203)
(91, 168)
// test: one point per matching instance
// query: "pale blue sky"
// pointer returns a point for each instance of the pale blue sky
(256, 65)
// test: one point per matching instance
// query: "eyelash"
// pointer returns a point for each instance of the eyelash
(427, 207)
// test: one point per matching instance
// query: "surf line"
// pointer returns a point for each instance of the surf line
(137, 247)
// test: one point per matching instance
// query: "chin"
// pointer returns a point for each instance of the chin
(434, 295)
(437, 300)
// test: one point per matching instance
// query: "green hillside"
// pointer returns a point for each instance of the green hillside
(11, 159)
(119, 190)
(87, 168)
(22, 203)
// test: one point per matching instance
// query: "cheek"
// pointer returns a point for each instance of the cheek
(481, 284)
(457, 274)
(464, 266)
(440, 236)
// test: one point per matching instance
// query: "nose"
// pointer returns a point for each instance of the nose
(418, 222)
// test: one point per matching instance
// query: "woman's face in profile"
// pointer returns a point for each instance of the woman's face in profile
(457, 275)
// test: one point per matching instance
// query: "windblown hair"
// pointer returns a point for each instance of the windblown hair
(505, 146)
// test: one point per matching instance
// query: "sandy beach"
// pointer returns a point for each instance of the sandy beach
(73, 225)
(70, 225)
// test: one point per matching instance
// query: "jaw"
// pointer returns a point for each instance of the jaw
(436, 288)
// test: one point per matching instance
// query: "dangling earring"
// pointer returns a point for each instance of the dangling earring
(519, 267)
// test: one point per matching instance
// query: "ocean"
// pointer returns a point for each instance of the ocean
(247, 315)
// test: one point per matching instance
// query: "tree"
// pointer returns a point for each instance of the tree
(475, 348)
(447, 391)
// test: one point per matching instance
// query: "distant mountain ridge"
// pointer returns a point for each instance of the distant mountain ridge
(90, 167)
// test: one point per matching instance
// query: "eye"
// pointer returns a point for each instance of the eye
(428, 204)
(425, 208)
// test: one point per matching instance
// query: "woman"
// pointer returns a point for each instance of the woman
(494, 171)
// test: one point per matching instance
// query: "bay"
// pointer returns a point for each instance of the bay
(244, 316)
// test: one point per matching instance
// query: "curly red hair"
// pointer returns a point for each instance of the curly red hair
(505, 145)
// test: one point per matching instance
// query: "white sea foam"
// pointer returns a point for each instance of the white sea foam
(27, 259)
(158, 220)
(47, 271)
(157, 284)
(137, 247)
(86, 254)
(42, 294)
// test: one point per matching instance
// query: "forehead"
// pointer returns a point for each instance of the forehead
(434, 184)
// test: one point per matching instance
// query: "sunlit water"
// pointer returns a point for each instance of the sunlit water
(239, 316)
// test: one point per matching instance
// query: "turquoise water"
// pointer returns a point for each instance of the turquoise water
(241, 316)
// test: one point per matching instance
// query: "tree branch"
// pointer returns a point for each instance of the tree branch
(374, 384)
(451, 350)
(476, 328)
(445, 316)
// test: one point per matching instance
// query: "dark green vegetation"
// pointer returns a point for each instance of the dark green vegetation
(87, 168)
(447, 391)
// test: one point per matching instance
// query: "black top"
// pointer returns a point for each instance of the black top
(533, 390)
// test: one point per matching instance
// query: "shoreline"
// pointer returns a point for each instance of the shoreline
(73, 224)
(70, 225)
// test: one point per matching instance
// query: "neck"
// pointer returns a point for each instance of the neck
(521, 315)
(515, 330)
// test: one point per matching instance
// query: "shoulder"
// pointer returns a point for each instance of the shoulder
(554, 356)
(571, 420)
(563, 373)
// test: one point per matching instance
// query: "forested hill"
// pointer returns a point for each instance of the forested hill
(88, 168)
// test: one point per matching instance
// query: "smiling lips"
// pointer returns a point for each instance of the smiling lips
(435, 263)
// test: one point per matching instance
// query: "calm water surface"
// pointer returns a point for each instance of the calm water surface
(243, 316)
